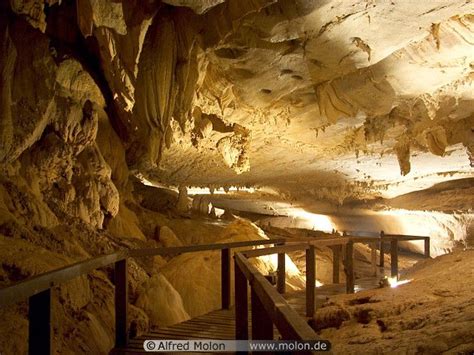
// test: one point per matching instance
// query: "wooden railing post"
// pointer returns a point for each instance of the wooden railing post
(39, 314)
(349, 264)
(336, 256)
(121, 304)
(225, 278)
(343, 250)
(427, 247)
(241, 304)
(262, 326)
(382, 257)
(373, 251)
(281, 279)
(394, 257)
(310, 280)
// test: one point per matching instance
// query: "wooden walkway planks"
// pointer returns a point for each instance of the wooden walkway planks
(220, 324)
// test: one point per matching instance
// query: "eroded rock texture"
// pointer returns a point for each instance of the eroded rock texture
(350, 99)
(258, 92)
(338, 92)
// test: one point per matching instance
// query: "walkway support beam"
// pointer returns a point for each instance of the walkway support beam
(39, 314)
(281, 278)
(349, 267)
(394, 257)
(382, 252)
(121, 304)
(241, 304)
(262, 326)
(427, 247)
(336, 257)
(225, 278)
(310, 281)
(373, 255)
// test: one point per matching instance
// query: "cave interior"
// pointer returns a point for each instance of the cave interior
(132, 127)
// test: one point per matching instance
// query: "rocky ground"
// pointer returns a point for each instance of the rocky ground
(432, 314)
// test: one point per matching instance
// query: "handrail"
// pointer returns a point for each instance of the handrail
(373, 239)
(375, 235)
(406, 237)
(38, 288)
(36, 284)
(201, 247)
(288, 322)
(268, 306)
(362, 233)
(298, 244)
(280, 249)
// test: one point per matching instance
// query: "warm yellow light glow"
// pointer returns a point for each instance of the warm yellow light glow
(147, 182)
(318, 221)
(291, 269)
(395, 283)
(219, 211)
(436, 225)
(219, 191)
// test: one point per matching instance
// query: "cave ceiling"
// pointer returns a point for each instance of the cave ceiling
(346, 98)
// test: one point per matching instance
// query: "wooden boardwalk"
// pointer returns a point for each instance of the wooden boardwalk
(220, 324)
(270, 306)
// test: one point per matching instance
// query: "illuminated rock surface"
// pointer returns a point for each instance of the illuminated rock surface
(346, 114)
(433, 313)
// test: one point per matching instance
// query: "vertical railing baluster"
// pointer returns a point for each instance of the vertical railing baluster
(373, 254)
(336, 256)
(343, 250)
(225, 278)
(39, 328)
(262, 326)
(427, 247)
(310, 280)
(349, 264)
(281, 278)
(382, 252)
(121, 304)
(241, 304)
(394, 257)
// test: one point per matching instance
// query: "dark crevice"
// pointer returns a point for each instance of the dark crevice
(67, 41)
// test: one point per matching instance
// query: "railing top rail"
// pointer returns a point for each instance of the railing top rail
(202, 247)
(362, 233)
(366, 239)
(274, 250)
(297, 244)
(329, 241)
(36, 284)
(31, 286)
(377, 235)
(288, 322)
(406, 236)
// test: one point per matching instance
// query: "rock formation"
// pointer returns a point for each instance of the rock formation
(336, 101)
